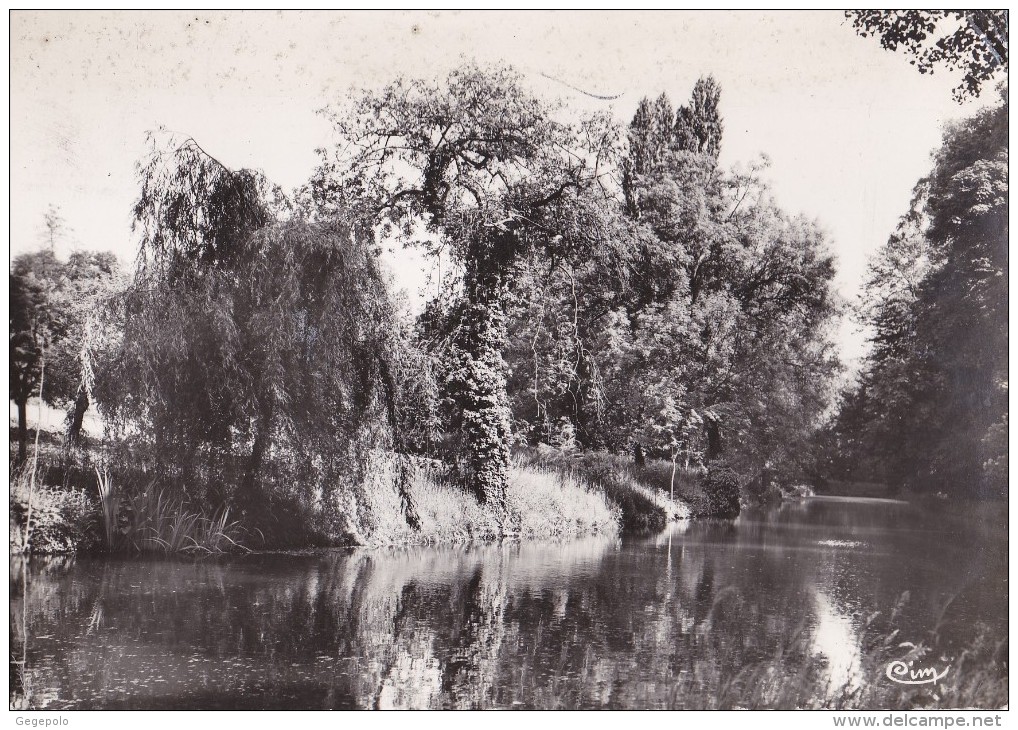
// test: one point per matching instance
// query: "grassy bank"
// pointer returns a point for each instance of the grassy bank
(541, 503)
(550, 494)
(73, 505)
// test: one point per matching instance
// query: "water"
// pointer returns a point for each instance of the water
(697, 616)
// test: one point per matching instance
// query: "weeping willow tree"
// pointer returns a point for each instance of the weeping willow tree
(262, 357)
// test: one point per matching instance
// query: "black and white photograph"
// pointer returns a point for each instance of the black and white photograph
(517, 359)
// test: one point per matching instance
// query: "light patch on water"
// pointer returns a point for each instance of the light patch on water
(841, 543)
(412, 682)
(835, 638)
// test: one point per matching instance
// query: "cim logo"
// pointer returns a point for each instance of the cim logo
(902, 673)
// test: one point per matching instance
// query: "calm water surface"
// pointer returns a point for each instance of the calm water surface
(685, 618)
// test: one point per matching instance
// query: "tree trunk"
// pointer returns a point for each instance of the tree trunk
(81, 404)
(639, 455)
(253, 493)
(22, 431)
(671, 493)
(254, 464)
(715, 445)
(478, 381)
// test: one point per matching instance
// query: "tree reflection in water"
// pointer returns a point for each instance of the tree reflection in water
(702, 616)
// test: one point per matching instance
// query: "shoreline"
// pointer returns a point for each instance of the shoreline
(551, 495)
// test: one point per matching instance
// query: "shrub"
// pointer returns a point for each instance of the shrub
(720, 491)
(62, 521)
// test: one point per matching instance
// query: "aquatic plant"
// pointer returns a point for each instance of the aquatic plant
(109, 503)
(153, 520)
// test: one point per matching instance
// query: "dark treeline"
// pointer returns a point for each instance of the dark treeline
(929, 410)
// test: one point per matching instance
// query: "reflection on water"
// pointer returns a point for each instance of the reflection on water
(688, 618)
(836, 638)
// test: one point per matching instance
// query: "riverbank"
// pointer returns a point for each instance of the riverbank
(72, 506)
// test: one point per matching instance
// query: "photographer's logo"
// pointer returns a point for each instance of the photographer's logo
(902, 673)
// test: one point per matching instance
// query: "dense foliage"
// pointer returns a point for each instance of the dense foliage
(930, 409)
(615, 291)
(611, 290)
(262, 356)
(61, 315)
(491, 174)
(706, 336)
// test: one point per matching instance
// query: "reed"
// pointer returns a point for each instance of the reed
(109, 506)
(153, 520)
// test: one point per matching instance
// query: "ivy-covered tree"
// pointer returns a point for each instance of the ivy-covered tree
(492, 174)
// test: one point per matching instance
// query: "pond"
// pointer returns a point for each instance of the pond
(776, 608)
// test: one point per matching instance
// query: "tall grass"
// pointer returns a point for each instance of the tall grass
(547, 503)
(641, 494)
(542, 503)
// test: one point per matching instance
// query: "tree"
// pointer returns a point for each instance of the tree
(492, 174)
(56, 228)
(590, 349)
(57, 311)
(262, 357)
(91, 298)
(707, 337)
(650, 133)
(962, 304)
(27, 335)
(932, 398)
(698, 125)
(753, 286)
(971, 41)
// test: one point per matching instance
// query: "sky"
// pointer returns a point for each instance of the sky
(848, 127)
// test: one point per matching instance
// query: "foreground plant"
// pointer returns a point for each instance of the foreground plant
(152, 520)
